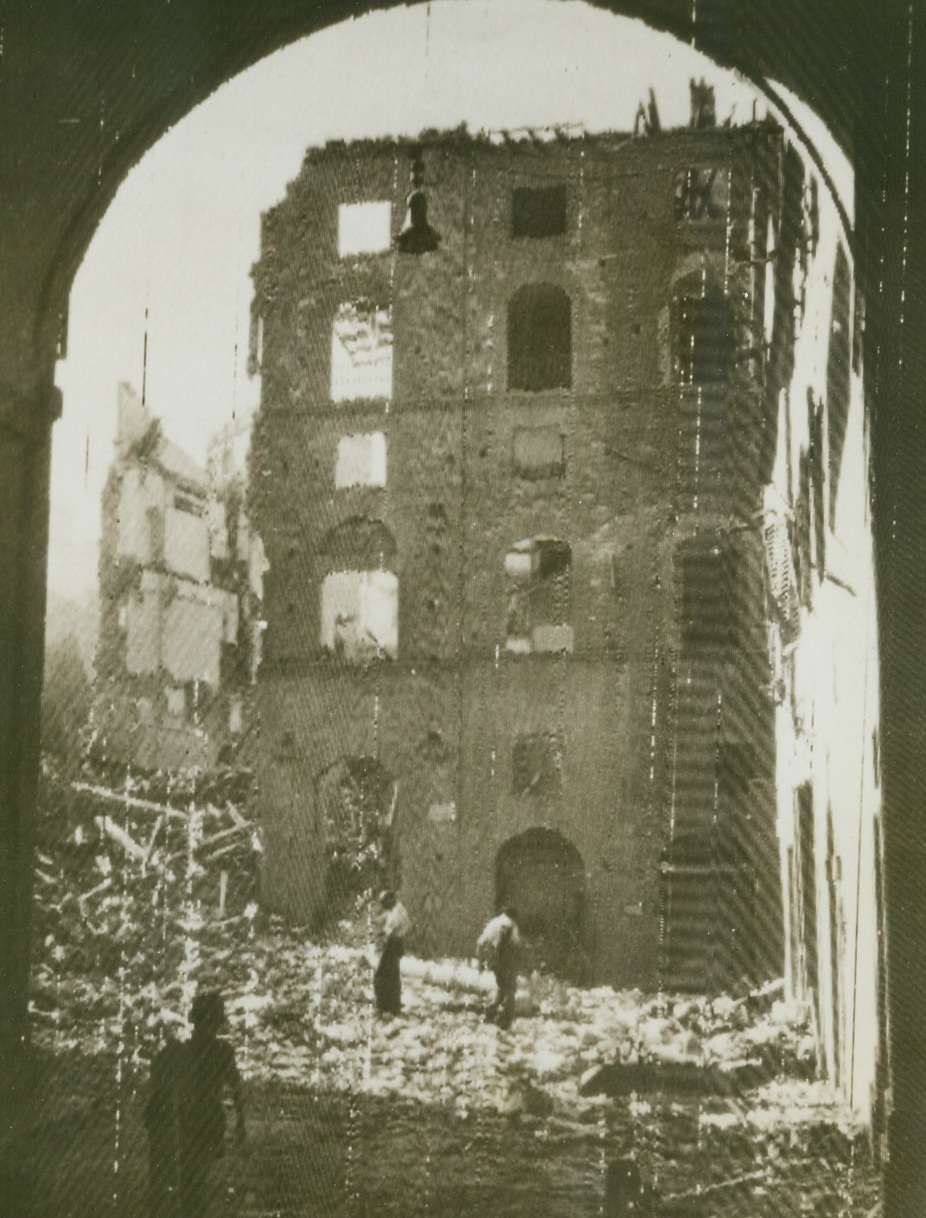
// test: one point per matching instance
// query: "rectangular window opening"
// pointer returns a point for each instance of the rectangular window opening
(705, 607)
(364, 228)
(538, 211)
(360, 614)
(700, 193)
(361, 352)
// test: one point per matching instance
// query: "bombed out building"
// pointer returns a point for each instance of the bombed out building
(561, 468)
(181, 575)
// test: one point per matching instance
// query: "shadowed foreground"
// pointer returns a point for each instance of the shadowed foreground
(82, 1151)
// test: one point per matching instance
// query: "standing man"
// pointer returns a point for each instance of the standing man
(498, 946)
(387, 981)
(185, 1114)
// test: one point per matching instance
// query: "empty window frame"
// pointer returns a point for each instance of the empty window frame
(539, 338)
(360, 614)
(538, 211)
(700, 193)
(361, 461)
(704, 338)
(364, 228)
(538, 574)
(536, 764)
(704, 596)
(361, 352)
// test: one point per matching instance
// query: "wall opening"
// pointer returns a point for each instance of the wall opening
(703, 893)
(361, 461)
(540, 874)
(538, 452)
(807, 882)
(539, 338)
(359, 618)
(361, 352)
(537, 764)
(704, 334)
(704, 595)
(538, 211)
(700, 193)
(537, 575)
(355, 800)
(364, 228)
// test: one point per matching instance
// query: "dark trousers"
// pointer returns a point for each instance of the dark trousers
(163, 1170)
(502, 1009)
(387, 981)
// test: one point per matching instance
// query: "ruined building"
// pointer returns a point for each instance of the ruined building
(561, 466)
(180, 586)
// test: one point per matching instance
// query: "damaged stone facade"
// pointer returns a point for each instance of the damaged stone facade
(547, 512)
(180, 587)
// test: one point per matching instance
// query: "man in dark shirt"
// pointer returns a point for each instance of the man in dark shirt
(387, 982)
(185, 1115)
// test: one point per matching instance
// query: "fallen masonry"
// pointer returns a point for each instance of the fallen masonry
(129, 932)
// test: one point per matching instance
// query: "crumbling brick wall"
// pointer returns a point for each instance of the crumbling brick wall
(648, 719)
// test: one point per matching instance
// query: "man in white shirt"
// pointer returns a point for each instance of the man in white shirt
(498, 947)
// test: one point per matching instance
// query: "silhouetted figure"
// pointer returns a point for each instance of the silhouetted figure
(625, 1195)
(498, 946)
(387, 981)
(185, 1115)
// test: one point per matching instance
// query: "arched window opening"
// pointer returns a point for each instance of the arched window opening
(539, 338)
(358, 543)
(704, 335)
(538, 576)
(359, 595)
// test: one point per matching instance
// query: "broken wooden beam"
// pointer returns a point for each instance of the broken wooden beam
(130, 801)
(118, 834)
(673, 1077)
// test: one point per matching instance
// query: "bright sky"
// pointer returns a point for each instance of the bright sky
(173, 253)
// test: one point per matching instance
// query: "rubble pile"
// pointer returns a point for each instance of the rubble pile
(144, 895)
(130, 884)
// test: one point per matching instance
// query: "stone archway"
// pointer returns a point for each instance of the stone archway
(87, 93)
(540, 876)
(355, 800)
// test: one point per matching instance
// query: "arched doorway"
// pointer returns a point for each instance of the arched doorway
(355, 798)
(540, 875)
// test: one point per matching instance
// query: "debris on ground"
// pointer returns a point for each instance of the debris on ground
(145, 895)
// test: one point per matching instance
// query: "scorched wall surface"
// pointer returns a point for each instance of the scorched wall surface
(636, 468)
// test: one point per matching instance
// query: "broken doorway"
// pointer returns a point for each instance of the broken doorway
(540, 875)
